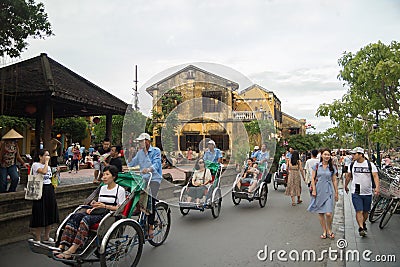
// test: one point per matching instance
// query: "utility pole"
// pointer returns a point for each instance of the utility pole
(136, 93)
(378, 149)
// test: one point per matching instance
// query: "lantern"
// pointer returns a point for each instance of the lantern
(96, 120)
(30, 109)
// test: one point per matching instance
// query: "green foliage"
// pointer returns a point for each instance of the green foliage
(14, 122)
(372, 75)
(305, 142)
(134, 123)
(73, 128)
(21, 19)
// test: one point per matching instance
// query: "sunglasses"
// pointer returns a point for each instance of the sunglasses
(201, 161)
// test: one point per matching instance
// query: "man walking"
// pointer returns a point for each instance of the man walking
(105, 148)
(363, 173)
(149, 160)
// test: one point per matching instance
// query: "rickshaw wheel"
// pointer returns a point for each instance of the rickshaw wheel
(216, 203)
(124, 245)
(235, 200)
(263, 196)
(275, 182)
(184, 211)
(162, 225)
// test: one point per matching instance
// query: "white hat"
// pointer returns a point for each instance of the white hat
(256, 147)
(211, 142)
(357, 150)
(143, 136)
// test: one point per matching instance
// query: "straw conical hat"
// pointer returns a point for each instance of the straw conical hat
(12, 134)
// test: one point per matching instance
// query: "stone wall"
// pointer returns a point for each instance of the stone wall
(15, 211)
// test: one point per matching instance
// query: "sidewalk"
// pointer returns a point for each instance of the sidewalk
(380, 242)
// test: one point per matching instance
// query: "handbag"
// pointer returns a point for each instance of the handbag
(55, 178)
(316, 179)
(34, 187)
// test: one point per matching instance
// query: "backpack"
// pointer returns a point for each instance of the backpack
(370, 171)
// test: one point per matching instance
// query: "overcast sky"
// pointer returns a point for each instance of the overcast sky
(290, 47)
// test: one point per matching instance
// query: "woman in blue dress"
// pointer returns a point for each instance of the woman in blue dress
(324, 191)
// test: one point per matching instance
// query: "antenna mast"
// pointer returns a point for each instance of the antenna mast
(136, 93)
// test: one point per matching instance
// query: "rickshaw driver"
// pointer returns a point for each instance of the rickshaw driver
(212, 153)
(149, 160)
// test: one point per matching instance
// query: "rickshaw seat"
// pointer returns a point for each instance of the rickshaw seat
(125, 213)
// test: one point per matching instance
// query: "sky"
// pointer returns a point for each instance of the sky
(290, 47)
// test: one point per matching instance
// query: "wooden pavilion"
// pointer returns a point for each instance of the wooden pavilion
(43, 89)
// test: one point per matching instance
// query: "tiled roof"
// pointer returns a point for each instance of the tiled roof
(38, 80)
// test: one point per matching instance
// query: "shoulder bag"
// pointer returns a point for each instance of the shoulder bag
(34, 187)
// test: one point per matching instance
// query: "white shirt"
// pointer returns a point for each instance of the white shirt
(362, 177)
(308, 167)
(46, 177)
(108, 196)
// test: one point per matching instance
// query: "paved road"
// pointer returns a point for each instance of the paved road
(231, 240)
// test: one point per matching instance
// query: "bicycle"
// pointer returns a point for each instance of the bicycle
(391, 208)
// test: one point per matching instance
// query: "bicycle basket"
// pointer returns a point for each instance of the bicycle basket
(384, 188)
(395, 188)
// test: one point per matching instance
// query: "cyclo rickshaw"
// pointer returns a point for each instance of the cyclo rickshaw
(280, 176)
(260, 192)
(117, 240)
(212, 197)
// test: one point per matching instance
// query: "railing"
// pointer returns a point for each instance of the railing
(249, 115)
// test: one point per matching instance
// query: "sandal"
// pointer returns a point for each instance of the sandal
(331, 235)
(293, 204)
(66, 255)
(323, 236)
(299, 201)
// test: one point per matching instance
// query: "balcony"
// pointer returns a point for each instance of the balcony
(250, 115)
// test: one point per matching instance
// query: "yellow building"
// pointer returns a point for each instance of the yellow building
(204, 110)
(209, 106)
(256, 102)
(291, 125)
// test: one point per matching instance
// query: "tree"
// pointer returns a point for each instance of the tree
(21, 19)
(372, 76)
(305, 142)
(14, 122)
(74, 128)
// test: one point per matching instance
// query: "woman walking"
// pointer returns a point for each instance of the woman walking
(293, 188)
(44, 210)
(324, 191)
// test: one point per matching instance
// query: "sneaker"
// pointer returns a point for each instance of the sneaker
(362, 232)
(49, 241)
(365, 227)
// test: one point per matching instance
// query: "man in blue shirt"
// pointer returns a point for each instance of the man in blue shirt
(263, 155)
(255, 153)
(212, 153)
(149, 160)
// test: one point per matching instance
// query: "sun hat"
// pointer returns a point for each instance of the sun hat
(12, 134)
(211, 142)
(256, 147)
(143, 136)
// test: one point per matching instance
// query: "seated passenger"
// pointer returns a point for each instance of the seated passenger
(250, 174)
(76, 230)
(201, 178)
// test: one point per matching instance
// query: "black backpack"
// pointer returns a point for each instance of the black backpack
(370, 171)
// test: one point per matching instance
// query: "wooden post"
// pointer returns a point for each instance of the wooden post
(38, 126)
(109, 127)
(47, 125)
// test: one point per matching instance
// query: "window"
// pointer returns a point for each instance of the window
(211, 101)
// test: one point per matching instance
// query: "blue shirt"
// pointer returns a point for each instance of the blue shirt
(263, 156)
(212, 156)
(151, 160)
(255, 154)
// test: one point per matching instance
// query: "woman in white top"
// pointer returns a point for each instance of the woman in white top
(111, 196)
(44, 210)
(201, 178)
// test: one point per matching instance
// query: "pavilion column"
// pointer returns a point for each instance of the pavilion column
(47, 126)
(109, 127)
(38, 126)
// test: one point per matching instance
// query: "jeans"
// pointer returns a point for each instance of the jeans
(12, 171)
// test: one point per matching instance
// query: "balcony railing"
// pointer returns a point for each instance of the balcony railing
(250, 115)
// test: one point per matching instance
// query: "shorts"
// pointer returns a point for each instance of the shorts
(345, 168)
(247, 180)
(361, 202)
(96, 165)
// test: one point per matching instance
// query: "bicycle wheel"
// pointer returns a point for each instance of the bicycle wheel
(183, 198)
(390, 209)
(263, 196)
(377, 210)
(275, 182)
(123, 247)
(236, 200)
(162, 224)
(216, 203)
